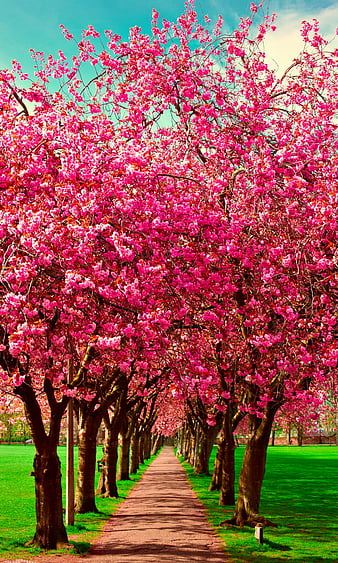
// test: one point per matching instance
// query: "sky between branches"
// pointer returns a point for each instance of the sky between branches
(35, 24)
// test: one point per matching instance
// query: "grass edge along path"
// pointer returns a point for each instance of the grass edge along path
(299, 494)
(19, 517)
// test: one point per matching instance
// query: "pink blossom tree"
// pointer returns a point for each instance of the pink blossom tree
(180, 207)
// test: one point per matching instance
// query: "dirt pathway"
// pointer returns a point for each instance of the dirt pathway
(161, 521)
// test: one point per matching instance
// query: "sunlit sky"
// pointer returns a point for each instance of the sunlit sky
(34, 24)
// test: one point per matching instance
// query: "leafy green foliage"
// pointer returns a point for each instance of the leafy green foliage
(299, 494)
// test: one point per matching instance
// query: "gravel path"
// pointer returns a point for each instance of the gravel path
(161, 521)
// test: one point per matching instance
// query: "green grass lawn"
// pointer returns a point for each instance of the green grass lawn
(299, 494)
(17, 502)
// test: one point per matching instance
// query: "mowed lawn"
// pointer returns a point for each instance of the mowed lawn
(300, 494)
(17, 502)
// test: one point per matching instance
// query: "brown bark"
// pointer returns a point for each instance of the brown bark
(252, 471)
(190, 439)
(289, 436)
(107, 486)
(186, 442)
(273, 435)
(142, 428)
(115, 423)
(191, 448)
(89, 423)
(180, 442)
(141, 447)
(128, 426)
(299, 436)
(90, 414)
(157, 443)
(123, 473)
(135, 459)
(227, 489)
(223, 479)
(216, 479)
(125, 440)
(147, 445)
(206, 443)
(50, 530)
(202, 435)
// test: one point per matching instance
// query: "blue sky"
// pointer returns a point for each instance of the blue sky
(26, 24)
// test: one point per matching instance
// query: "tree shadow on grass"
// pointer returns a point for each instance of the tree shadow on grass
(275, 545)
(80, 547)
(76, 528)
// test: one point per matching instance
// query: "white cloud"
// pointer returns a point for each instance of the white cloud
(283, 45)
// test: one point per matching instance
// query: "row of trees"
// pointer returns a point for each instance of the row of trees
(168, 239)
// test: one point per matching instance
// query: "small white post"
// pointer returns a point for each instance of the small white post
(259, 533)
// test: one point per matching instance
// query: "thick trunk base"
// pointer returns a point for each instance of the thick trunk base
(207, 442)
(36, 541)
(223, 478)
(107, 487)
(87, 506)
(252, 472)
(50, 530)
(85, 491)
(251, 521)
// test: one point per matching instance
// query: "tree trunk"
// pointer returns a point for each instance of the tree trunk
(227, 489)
(252, 472)
(107, 484)
(196, 444)
(191, 448)
(135, 459)
(289, 436)
(115, 424)
(85, 485)
(90, 418)
(223, 479)
(216, 480)
(157, 443)
(299, 436)
(128, 428)
(180, 441)
(273, 435)
(141, 447)
(186, 443)
(207, 441)
(50, 530)
(147, 445)
(124, 458)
